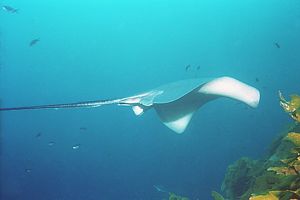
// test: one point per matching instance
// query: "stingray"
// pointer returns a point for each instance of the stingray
(175, 103)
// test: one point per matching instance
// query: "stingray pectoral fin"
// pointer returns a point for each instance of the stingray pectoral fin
(177, 115)
(179, 125)
(232, 88)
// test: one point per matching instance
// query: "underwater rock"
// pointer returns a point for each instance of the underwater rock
(238, 178)
(294, 138)
(257, 180)
(217, 196)
(176, 197)
(291, 107)
(275, 177)
(270, 196)
(172, 196)
(283, 170)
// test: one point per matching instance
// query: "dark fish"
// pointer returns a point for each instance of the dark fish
(9, 9)
(83, 128)
(39, 134)
(33, 42)
(277, 45)
(187, 67)
(198, 67)
(256, 79)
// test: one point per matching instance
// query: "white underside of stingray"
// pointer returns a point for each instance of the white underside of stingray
(175, 103)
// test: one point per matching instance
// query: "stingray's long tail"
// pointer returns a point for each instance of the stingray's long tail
(83, 104)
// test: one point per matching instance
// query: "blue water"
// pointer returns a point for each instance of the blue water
(92, 50)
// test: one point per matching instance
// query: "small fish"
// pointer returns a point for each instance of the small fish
(9, 9)
(51, 144)
(256, 79)
(277, 45)
(28, 170)
(76, 146)
(34, 41)
(198, 67)
(160, 188)
(83, 128)
(187, 67)
(39, 134)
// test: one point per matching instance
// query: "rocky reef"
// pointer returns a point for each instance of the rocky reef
(275, 177)
(173, 196)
